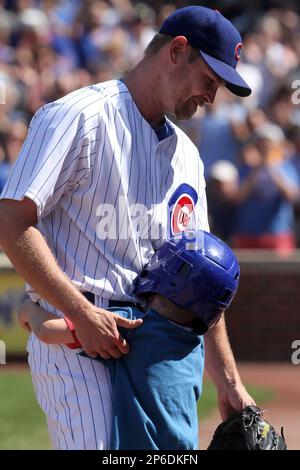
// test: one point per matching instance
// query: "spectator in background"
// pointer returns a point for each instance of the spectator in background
(10, 148)
(101, 36)
(295, 158)
(269, 188)
(140, 27)
(216, 131)
(281, 108)
(7, 20)
(51, 47)
(295, 141)
(222, 186)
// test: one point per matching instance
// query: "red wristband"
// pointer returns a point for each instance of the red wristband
(71, 327)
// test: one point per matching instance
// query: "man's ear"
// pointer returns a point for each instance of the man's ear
(178, 48)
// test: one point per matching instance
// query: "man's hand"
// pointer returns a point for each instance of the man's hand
(98, 332)
(233, 398)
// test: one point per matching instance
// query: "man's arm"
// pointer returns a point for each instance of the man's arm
(29, 253)
(221, 367)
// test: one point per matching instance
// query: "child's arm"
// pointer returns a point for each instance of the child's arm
(48, 328)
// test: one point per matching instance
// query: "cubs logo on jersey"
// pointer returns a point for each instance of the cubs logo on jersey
(181, 207)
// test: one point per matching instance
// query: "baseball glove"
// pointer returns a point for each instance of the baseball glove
(247, 430)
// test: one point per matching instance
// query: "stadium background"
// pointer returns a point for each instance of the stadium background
(47, 49)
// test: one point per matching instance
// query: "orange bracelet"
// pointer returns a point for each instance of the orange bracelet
(71, 327)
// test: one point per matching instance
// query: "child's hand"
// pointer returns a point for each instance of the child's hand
(23, 315)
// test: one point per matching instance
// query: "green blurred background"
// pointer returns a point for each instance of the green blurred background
(22, 423)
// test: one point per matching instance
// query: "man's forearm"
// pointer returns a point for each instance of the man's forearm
(34, 261)
(220, 362)
(32, 258)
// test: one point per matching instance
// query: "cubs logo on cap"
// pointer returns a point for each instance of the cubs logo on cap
(238, 51)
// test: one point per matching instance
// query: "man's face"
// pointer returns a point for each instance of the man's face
(192, 84)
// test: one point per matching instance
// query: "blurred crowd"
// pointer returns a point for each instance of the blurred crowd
(250, 147)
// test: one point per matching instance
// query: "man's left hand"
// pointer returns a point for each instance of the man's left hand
(233, 398)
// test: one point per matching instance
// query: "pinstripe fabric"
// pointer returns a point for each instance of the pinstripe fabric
(85, 151)
(93, 147)
(75, 394)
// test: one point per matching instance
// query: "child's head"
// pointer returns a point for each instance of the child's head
(196, 271)
(171, 311)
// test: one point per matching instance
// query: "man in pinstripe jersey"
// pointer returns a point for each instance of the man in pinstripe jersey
(110, 146)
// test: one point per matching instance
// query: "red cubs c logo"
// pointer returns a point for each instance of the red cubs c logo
(238, 50)
(181, 213)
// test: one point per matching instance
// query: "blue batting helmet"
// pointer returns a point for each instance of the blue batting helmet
(195, 270)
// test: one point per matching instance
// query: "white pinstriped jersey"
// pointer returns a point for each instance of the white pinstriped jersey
(88, 153)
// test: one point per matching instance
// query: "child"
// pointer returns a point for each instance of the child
(187, 285)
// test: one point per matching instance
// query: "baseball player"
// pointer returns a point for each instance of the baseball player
(187, 285)
(102, 178)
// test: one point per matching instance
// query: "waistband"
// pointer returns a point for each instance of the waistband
(111, 303)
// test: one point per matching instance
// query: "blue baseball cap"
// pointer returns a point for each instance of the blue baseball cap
(216, 39)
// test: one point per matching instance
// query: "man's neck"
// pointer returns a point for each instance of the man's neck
(143, 83)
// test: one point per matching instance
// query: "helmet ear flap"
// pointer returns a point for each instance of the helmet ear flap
(227, 297)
